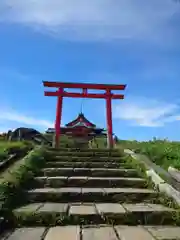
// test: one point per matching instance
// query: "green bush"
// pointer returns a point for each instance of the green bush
(99, 142)
(19, 176)
(66, 141)
(7, 148)
(161, 152)
(3, 156)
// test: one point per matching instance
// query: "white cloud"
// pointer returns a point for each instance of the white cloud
(143, 112)
(15, 117)
(97, 19)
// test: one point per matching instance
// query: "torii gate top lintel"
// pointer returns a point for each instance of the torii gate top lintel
(108, 95)
(85, 85)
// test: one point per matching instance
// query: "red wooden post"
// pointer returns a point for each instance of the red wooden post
(58, 115)
(109, 119)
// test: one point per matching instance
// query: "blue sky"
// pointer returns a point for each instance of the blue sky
(136, 42)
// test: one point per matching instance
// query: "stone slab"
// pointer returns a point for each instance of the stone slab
(78, 178)
(83, 164)
(55, 178)
(57, 169)
(82, 209)
(134, 179)
(128, 190)
(101, 233)
(62, 162)
(33, 207)
(58, 178)
(43, 190)
(64, 233)
(105, 208)
(54, 207)
(70, 190)
(55, 190)
(27, 234)
(143, 207)
(128, 151)
(140, 207)
(92, 190)
(164, 232)
(154, 177)
(114, 170)
(41, 178)
(134, 232)
(160, 207)
(117, 178)
(175, 173)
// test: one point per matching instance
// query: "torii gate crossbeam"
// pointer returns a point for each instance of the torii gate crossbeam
(107, 95)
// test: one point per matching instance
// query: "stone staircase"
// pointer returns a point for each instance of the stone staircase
(92, 194)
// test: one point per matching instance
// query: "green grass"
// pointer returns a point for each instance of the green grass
(65, 141)
(3, 155)
(16, 179)
(162, 152)
(100, 142)
(7, 148)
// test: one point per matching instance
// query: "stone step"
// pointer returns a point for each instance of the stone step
(73, 158)
(93, 172)
(100, 232)
(85, 154)
(64, 233)
(28, 233)
(91, 213)
(130, 195)
(84, 181)
(98, 150)
(86, 164)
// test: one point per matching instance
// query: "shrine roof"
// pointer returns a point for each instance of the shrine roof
(81, 120)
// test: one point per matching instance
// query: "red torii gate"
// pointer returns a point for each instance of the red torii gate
(108, 95)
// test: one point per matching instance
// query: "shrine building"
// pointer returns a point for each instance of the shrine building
(80, 127)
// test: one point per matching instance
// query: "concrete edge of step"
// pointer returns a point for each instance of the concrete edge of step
(163, 186)
(175, 173)
(153, 171)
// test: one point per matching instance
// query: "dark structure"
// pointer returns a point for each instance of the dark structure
(28, 134)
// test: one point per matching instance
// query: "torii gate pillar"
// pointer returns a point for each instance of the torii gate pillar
(109, 119)
(58, 116)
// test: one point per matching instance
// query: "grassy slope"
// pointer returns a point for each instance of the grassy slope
(7, 147)
(13, 181)
(162, 152)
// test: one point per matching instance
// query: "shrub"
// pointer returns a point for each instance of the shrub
(18, 176)
(3, 156)
(7, 148)
(161, 152)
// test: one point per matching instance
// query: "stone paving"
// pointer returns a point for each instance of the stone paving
(95, 191)
(98, 208)
(118, 232)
